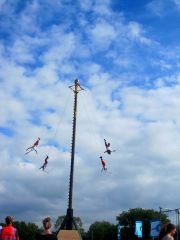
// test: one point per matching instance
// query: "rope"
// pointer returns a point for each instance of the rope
(89, 115)
(93, 131)
(59, 122)
(61, 119)
(90, 119)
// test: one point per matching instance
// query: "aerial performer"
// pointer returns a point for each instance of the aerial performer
(45, 163)
(108, 149)
(104, 168)
(77, 83)
(32, 148)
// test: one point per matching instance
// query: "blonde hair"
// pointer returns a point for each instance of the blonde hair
(47, 223)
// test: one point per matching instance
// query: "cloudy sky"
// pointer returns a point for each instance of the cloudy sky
(126, 55)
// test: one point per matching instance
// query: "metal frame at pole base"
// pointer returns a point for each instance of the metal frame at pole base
(177, 212)
(69, 221)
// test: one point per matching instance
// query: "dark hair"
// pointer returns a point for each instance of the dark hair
(9, 220)
(166, 228)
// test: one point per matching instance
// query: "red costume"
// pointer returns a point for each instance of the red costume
(103, 164)
(33, 147)
(36, 143)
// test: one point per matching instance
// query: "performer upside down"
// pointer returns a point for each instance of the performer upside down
(108, 149)
(103, 162)
(45, 163)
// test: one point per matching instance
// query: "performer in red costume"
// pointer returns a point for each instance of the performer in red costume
(104, 168)
(45, 163)
(32, 148)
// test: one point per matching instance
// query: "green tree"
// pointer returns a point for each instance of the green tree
(102, 231)
(26, 231)
(127, 221)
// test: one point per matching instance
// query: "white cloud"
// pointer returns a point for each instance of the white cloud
(2, 3)
(157, 7)
(103, 7)
(136, 32)
(162, 8)
(177, 2)
(157, 104)
(86, 5)
(102, 34)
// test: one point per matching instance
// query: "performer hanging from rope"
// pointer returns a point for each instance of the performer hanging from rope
(104, 168)
(45, 163)
(32, 148)
(108, 149)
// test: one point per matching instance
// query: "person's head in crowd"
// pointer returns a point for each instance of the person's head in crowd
(47, 223)
(9, 220)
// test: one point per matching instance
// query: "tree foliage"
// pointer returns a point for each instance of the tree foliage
(102, 231)
(26, 231)
(127, 221)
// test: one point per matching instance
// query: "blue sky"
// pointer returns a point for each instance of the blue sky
(126, 55)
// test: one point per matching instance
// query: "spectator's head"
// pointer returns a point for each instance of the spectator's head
(167, 228)
(9, 220)
(47, 223)
(171, 228)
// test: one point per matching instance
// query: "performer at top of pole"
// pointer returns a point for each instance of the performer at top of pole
(77, 86)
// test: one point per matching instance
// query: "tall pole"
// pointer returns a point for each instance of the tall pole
(70, 209)
(68, 220)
